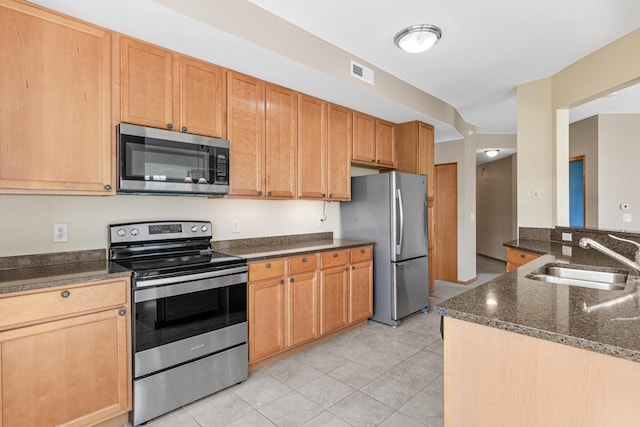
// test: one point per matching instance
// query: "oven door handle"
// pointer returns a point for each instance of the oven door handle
(187, 277)
(193, 283)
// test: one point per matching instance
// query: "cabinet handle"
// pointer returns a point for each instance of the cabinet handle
(291, 280)
(122, 312)
(304, 259)
(169, 125)
(184, 128)
(268, 265)
(282, 281)
(107, 187)
(65, 294)
(335, 255)
(259, 193)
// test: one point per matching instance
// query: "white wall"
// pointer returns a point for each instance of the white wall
(494, 203)
(27, 221)
(619, 170)
(462, 152)
(583, 140)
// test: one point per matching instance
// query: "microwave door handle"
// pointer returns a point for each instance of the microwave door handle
(401, 212)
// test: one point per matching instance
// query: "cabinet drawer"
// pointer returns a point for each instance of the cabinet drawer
(266, 269)
(361, 254)
(302, 264)
(334, 258)
(61, 301)
(518, 257)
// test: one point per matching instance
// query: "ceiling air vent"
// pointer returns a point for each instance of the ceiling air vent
(361, 72)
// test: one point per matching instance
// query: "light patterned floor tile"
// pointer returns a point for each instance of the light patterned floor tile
(293, 373)
(177, 418)
(436, 387)
(389, 391)
(290, 410)
(398, 419)
(218, 409)
(252, 419)
(326, 419)
(261, 390)
(416, 377)
(354, 375)
(321, 358)
(424, 408)
(325, 391)
(358, 409)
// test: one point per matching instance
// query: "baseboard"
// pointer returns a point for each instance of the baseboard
(493, 258)
(468, 282)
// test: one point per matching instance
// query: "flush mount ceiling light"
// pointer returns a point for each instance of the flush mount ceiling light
(491, 153)
(417, 38)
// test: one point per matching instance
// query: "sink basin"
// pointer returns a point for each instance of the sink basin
(603, 278)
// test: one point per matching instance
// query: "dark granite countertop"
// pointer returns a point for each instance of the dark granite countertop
(32, 272)
(553, 312)
(282, 249)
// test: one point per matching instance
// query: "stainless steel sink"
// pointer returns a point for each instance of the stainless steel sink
(603, 278)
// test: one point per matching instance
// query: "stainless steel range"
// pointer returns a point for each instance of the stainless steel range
(190, 325)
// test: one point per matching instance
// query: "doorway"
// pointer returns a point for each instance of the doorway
(446, 222)
(577, 192)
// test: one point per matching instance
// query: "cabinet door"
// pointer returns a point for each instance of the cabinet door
(364, 138)
(201, 97)
(69, 371)
(385, 143)
(302, 308)
(245, 131)
(361, 291)
(280, 141)
(339, 141)
(312, 147)
(333, 298)
(147, 84)
(55, 103)
(266, 318)
(426, 154)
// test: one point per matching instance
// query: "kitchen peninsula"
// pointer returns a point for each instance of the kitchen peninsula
(529, 353)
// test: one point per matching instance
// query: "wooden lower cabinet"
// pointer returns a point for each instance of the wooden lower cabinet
(518, 257)
(72, 371)
(295, 300)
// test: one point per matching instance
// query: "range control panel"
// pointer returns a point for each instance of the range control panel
(158, 230)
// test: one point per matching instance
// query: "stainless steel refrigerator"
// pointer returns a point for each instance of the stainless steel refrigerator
(390, 209)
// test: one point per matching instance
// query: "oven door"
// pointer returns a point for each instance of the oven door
(187, 320)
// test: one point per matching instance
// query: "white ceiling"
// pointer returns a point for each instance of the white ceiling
(487, 49)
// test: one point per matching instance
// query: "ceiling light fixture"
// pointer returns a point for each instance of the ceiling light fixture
(417, 38)
(491, 153)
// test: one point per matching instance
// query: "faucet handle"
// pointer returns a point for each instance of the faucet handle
(629, 241)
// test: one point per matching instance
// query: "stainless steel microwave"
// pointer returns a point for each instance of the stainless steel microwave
(165, 162)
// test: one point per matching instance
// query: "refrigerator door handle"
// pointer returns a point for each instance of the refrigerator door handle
(399, 245)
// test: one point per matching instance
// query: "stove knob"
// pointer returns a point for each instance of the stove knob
(122, 232)
(194, 228)
(204, 228)
(135, 231)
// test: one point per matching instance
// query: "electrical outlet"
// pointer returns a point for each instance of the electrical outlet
(566, 237)
(626, 217)
(235, 226)
(321, 222)
(60, 233)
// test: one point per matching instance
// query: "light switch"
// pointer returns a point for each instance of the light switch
(626, 217)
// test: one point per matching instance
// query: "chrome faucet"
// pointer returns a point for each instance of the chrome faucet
(587, 243)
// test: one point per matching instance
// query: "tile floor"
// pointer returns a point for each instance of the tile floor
(373, 376)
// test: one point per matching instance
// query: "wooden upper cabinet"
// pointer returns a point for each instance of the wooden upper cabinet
(385, 143)
(245, 131)
(280, 141)
(201, 97)
(373, 141)
(56, 134)
(162, 89)
(312, 147)
(340, 137)
(364, 138)
(415, 149)
(146, 84)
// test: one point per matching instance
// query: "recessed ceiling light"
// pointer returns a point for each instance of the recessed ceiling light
(417, 38)
(491, 153)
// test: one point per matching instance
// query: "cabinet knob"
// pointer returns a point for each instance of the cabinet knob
(259, 193)
(521, 255)
(184, 128)
(169, 125)
(107, 187)
(282, 281)
(65, 294)
(373, 160)
(324, 194)
(268, 193)
(330, 195)
(291, 280)
(346, 269)
(361, 251)
(304, 259)
(353, 267)
(335, 255)
(122, 312)
(268, 265)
